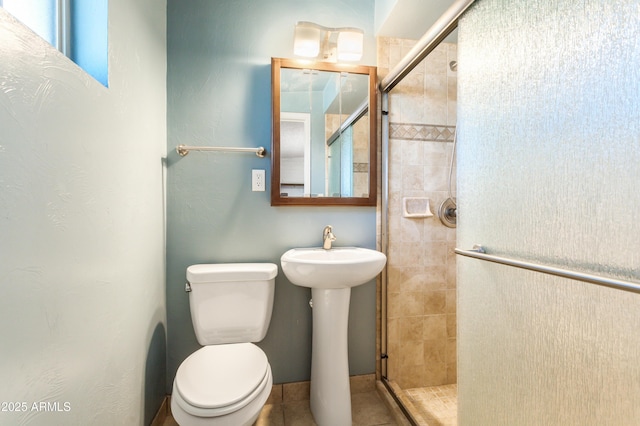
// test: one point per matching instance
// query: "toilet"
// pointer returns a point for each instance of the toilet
(228, 380)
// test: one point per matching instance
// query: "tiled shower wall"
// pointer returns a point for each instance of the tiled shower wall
(421, 290)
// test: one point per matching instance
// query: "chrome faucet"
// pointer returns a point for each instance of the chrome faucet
(327, 237)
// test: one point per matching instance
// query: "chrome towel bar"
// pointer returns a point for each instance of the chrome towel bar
(478, 252)
(184, 149)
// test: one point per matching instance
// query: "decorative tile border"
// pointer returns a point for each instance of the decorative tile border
(360, 167)
(421, 132)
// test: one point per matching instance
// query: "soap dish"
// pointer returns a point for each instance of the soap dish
(416, 207)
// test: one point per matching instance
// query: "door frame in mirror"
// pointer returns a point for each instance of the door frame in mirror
(276, 198)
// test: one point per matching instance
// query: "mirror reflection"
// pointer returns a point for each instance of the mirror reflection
(323, 144)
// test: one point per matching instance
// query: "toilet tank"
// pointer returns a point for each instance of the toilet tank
(231, 303)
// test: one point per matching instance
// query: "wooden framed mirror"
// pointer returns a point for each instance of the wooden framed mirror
(323, 134)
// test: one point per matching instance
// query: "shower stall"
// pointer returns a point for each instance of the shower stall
(548, 305)
(418, 291)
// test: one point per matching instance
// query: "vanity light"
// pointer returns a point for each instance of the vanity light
(350, 43)
(306, 41)
(328, 44)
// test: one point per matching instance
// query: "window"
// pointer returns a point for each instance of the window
(77, 28)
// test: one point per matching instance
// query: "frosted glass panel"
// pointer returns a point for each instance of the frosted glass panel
(333, 166)
(340, 165)
(39, 15)
(346, 163)
(548, 155)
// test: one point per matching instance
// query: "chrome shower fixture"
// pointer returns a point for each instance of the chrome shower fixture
(447, 212)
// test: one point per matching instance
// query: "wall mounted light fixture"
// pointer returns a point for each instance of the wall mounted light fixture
(327, 44)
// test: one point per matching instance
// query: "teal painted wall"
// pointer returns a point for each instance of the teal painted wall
(219, 93)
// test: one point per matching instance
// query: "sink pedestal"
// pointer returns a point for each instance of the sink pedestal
(330, 274)
(330, 391)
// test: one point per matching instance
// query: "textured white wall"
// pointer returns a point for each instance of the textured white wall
(548, 154)
(82, 307)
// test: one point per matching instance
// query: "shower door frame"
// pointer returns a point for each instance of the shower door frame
(444, 26)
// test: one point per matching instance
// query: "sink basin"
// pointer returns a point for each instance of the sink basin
(339, 267)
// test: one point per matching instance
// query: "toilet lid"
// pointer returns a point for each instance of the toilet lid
(221, 375)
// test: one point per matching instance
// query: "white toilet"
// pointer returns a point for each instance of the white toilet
(227, 382)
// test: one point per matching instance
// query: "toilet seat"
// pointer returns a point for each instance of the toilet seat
(220, 379)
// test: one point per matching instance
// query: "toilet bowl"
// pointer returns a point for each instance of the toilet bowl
(228, 381)
(221, 385)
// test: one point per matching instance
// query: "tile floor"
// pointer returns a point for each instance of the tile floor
(437, 405)
(368, 410)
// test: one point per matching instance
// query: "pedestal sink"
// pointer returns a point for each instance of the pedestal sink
(330, 274)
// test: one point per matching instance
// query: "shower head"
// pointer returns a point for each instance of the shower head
(453, 66)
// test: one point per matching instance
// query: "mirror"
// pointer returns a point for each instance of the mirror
(324, 131)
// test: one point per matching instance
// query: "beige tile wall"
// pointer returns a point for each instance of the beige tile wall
(421, 289)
